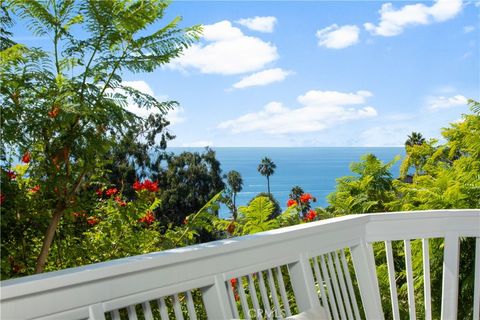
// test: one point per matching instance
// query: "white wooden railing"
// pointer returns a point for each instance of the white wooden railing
(278, 273)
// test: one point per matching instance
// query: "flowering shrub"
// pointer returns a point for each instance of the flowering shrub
(302, 201)
(146, 185)
(310, 216)
(291, 202)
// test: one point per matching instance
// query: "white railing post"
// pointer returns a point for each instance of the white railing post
(367, 280)
(215, 299)
(451, 259)
(303, 284)
(95, 312)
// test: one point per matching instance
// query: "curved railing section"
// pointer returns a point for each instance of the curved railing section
(328, 265)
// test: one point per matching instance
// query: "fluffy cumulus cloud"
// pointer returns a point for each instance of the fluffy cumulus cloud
(226, 51)
(262, 78)
(320, 110)
(174, 116)
(437, 103)
(394, 21)
(335, 37)
(262, 24)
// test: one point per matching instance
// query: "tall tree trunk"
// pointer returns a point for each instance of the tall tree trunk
(48, 239)
(234, 207)
(268, 184)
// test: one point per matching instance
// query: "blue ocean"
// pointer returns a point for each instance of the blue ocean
(314, 169)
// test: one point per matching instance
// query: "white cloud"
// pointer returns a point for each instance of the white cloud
(384, 136)
(436, 103)
(262, 24)
(468, 29)
(335, 37)
(262, 78)
(198, 144)
(394, 21)
(175, 116)
(227, 51)
(320, 110)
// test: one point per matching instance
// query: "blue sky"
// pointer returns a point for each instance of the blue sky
(300, 74)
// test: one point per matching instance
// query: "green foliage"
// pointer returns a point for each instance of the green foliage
(277, 209)
(235, 185)
(369, 191)
(446, 177)
(187, 181)
(415, 138)
(256, 217)
(65, 105)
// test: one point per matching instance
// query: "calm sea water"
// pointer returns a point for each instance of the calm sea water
(314, 169)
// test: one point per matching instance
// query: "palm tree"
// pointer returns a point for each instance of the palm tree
(235, 182)
(415, 139)
(267, 168)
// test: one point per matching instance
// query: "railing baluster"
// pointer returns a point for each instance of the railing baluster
(450, 276)
(323, 295)
(147, 311)
(331, 296)
(343, 286)
(233, 302)
(132, 313)
(336, 289)
(163, 308)
(115, 315)
(426, 280)
(365, 271)
(177, 308)
(273, 292)
(263, 293)
(243, 299)
(283, 292)
(392, 280)
(411, 293)
(476, 293)
(349, 284)
(190, 306)
(253, 296)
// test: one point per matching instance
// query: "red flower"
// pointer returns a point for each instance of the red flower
(150, 186)
(120, 202)
(11, 175)
(53, 113)
(291, 202)
(111, 192)
(233, 283)
(2, 198)
(92, 220)
(146, 185)
(26, 157)
(35, 189)
(99, 192)
(310, 215)
(148, 218)
(137, 186)
(306, 197)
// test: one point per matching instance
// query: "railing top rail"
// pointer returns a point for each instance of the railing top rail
(52, 280)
